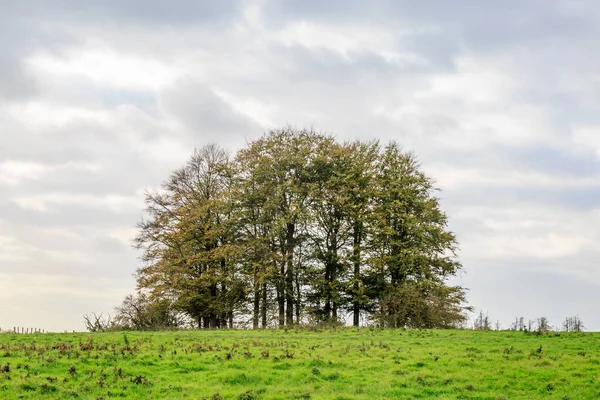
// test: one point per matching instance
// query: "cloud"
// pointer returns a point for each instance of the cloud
(14, 172)
(197, 109)
(116, 70)
(101, 101)
(136, 11)
(44, 203)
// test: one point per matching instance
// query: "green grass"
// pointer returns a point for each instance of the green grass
(343, 364)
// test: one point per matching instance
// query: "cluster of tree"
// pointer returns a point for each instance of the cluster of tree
(296, 228)
(483, 323)
(573, 324)
(539, 325)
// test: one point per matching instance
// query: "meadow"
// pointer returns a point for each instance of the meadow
(301, 364)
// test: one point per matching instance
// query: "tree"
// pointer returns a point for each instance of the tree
(329, 232)
(138, 312)
(99, 323)
(189, 241)
(422, 305)
(299, 226)
(543, 325)
(278, 169)
(410, 244)
(359, 182)
(482, 322)
(573, 324)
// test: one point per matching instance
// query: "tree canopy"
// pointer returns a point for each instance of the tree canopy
(298, 228)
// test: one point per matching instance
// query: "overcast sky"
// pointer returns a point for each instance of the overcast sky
(100, 101)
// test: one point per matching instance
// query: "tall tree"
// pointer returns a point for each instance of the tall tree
(411, 244)
(360, 183)
(328, 231)
(279, 165)
(189, 241)
(256, 234)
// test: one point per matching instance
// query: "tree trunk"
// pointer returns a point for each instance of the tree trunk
(357, 239)
(289, 277)
(331, 266)
(256, 310)
(264, 305)
(213, 317)
(298, 297)
(327, 309)
(280, 296)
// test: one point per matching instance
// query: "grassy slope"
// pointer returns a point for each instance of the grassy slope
(343, 364)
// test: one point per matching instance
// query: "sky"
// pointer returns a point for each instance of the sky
(100, 101)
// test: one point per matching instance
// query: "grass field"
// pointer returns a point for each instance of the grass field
(342, 364)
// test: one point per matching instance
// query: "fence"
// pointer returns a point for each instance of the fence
(21, 330)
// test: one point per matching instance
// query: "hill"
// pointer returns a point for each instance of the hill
(347, 363)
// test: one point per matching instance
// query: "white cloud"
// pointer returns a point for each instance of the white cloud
(14, 251)
(478, 80)
(104, 66)
(42, 115)
(124, 235)
(254, 109)
(14, 172)
(45, 202)
(453, 178)
(511, 243)
(531, 232)
(587, 138)
(344, 40)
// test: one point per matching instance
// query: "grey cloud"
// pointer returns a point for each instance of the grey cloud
(505, 196)
(204, 115)
(483, 25)
(558, 162)
(70, 216)
(20, 36)
(109, 245)
(331, 68)
(146, 12)
(15, 81)
(85, 93)
(33, 25)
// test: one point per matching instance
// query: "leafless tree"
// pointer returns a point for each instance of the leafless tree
(482, 322)
(573, 324)
(521, 324)
(543, 325)
(98, 323)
